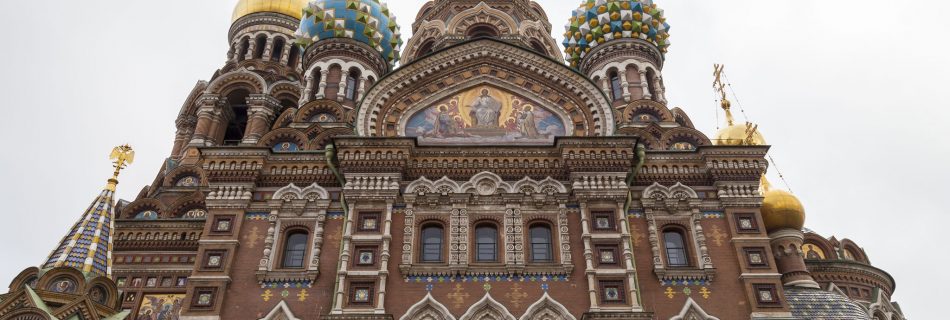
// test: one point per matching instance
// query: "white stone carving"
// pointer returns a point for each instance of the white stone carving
(547, 308)
(280, 312)
(292, 192)
(487, 309)
(485, 184)
(428, 309)
(692, 311)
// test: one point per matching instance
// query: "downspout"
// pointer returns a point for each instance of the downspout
(331, 156)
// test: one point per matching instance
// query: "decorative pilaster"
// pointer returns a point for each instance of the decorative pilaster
(644, 85)
(323, 84)
(260, 114)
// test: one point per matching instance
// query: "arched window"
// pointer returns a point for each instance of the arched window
(278, 49)
(541, 250)
(482, 30)
(425, 48)
(234, 132)
(615, 85)
(295, 247)
(537, 46)
(486, 243)
(351, 84)
(261, 45)
(432, 243)
(675, 245)
(294, 55)
(242, 48)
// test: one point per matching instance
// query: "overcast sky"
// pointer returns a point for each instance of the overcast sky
(852, 94)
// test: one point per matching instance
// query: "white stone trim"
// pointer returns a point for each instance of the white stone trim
(692, 306)
(280, 309)
(546, 306)
(427, 306)
(487, 305)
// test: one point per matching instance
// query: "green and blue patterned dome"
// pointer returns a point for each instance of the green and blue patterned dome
(366, 21)
(597, 22)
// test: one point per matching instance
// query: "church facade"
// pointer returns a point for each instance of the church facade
(329, 171)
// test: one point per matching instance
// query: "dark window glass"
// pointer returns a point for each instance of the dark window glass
(615, 86)
(294, 250)
(260, 46)
(541, 244)
(675, 249)
(234, 132)
(486, 238)
(351, 86)
(278, 50)
(432, 244)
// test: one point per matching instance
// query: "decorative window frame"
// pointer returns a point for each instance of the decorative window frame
(293, 206)
(486, 197)
(677, 205)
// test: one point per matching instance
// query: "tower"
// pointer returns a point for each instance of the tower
(75, 282)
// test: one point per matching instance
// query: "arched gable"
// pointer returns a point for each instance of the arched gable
(239, 76)
(487, 309)
(547, 308)
(482, 14)
(486, 61)
(428, 309)
(692, 311)
(280, 312)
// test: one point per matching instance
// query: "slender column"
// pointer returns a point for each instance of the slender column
(629, 262)
(186, 128)
(592, 284)
(384, 257)
(206, 118)
(341, 94)
(307, 91)
(268, 49)
(787, 248)
(260, 115)
(660, 90)
(324, 73)
(645, 85)
(361, 85)
(251, 48)
(285, 54)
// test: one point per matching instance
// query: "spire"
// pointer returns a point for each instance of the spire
(721, 87)
(88, 246)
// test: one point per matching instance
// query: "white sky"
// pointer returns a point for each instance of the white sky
(848, 92)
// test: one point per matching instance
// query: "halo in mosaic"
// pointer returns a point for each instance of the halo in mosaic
(597, 22)
(366, 21)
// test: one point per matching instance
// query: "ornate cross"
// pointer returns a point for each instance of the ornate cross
(705, 292)
(516, 295)
(669, 292)
(458, 296)
(253, 237)
(302, 296)
(267, 295)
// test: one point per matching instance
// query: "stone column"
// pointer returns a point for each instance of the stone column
(341, 94)
(644, 85)
(285, 54)
(260, 114)
(789, 259)
(251, 47)
(186, 128)
(268, 49)
(362, 83)
(660, 90)
(206, 117)
(324, 73)
(308, 90)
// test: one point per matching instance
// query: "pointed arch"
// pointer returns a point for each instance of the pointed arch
(692, 311)
(486, 183)
(243, 76)
(468, 18)
(487, 309)
(428, 309)
(547, 308)
(280, 312)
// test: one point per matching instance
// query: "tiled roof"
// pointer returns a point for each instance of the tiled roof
(816, 304)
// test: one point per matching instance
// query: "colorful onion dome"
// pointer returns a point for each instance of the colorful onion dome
(781, 209)
(366, 21)
(596, 22)
(293, 8)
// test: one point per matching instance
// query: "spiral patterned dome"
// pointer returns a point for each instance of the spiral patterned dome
(366, 21)
(596, 22)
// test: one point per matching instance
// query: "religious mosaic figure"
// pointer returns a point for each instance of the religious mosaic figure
(527, 125)
(485, 110)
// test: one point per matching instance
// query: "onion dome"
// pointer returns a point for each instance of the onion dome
(745, 134)
(366, 21)
(596, 22)
(293, 8)
(781, 209)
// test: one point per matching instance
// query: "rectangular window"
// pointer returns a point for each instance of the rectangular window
(222, 224)
(214, 259)
(361, 293)
(368, 222)
(350, 87)
(766, 294)
(607, 255)
(756, 257)
(603, 220)
(745, 223)
(204, 298)
(365, 256)
(612, 292)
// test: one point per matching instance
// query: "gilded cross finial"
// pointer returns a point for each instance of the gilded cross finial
(720, 86)
(121, 157)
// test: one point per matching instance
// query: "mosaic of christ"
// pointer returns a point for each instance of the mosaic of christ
(485, 115)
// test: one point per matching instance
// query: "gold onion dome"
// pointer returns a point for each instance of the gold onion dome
(744, 134)
(781, 209)
(293, 8)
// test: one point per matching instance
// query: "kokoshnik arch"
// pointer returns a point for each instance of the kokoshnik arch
(326, 172)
